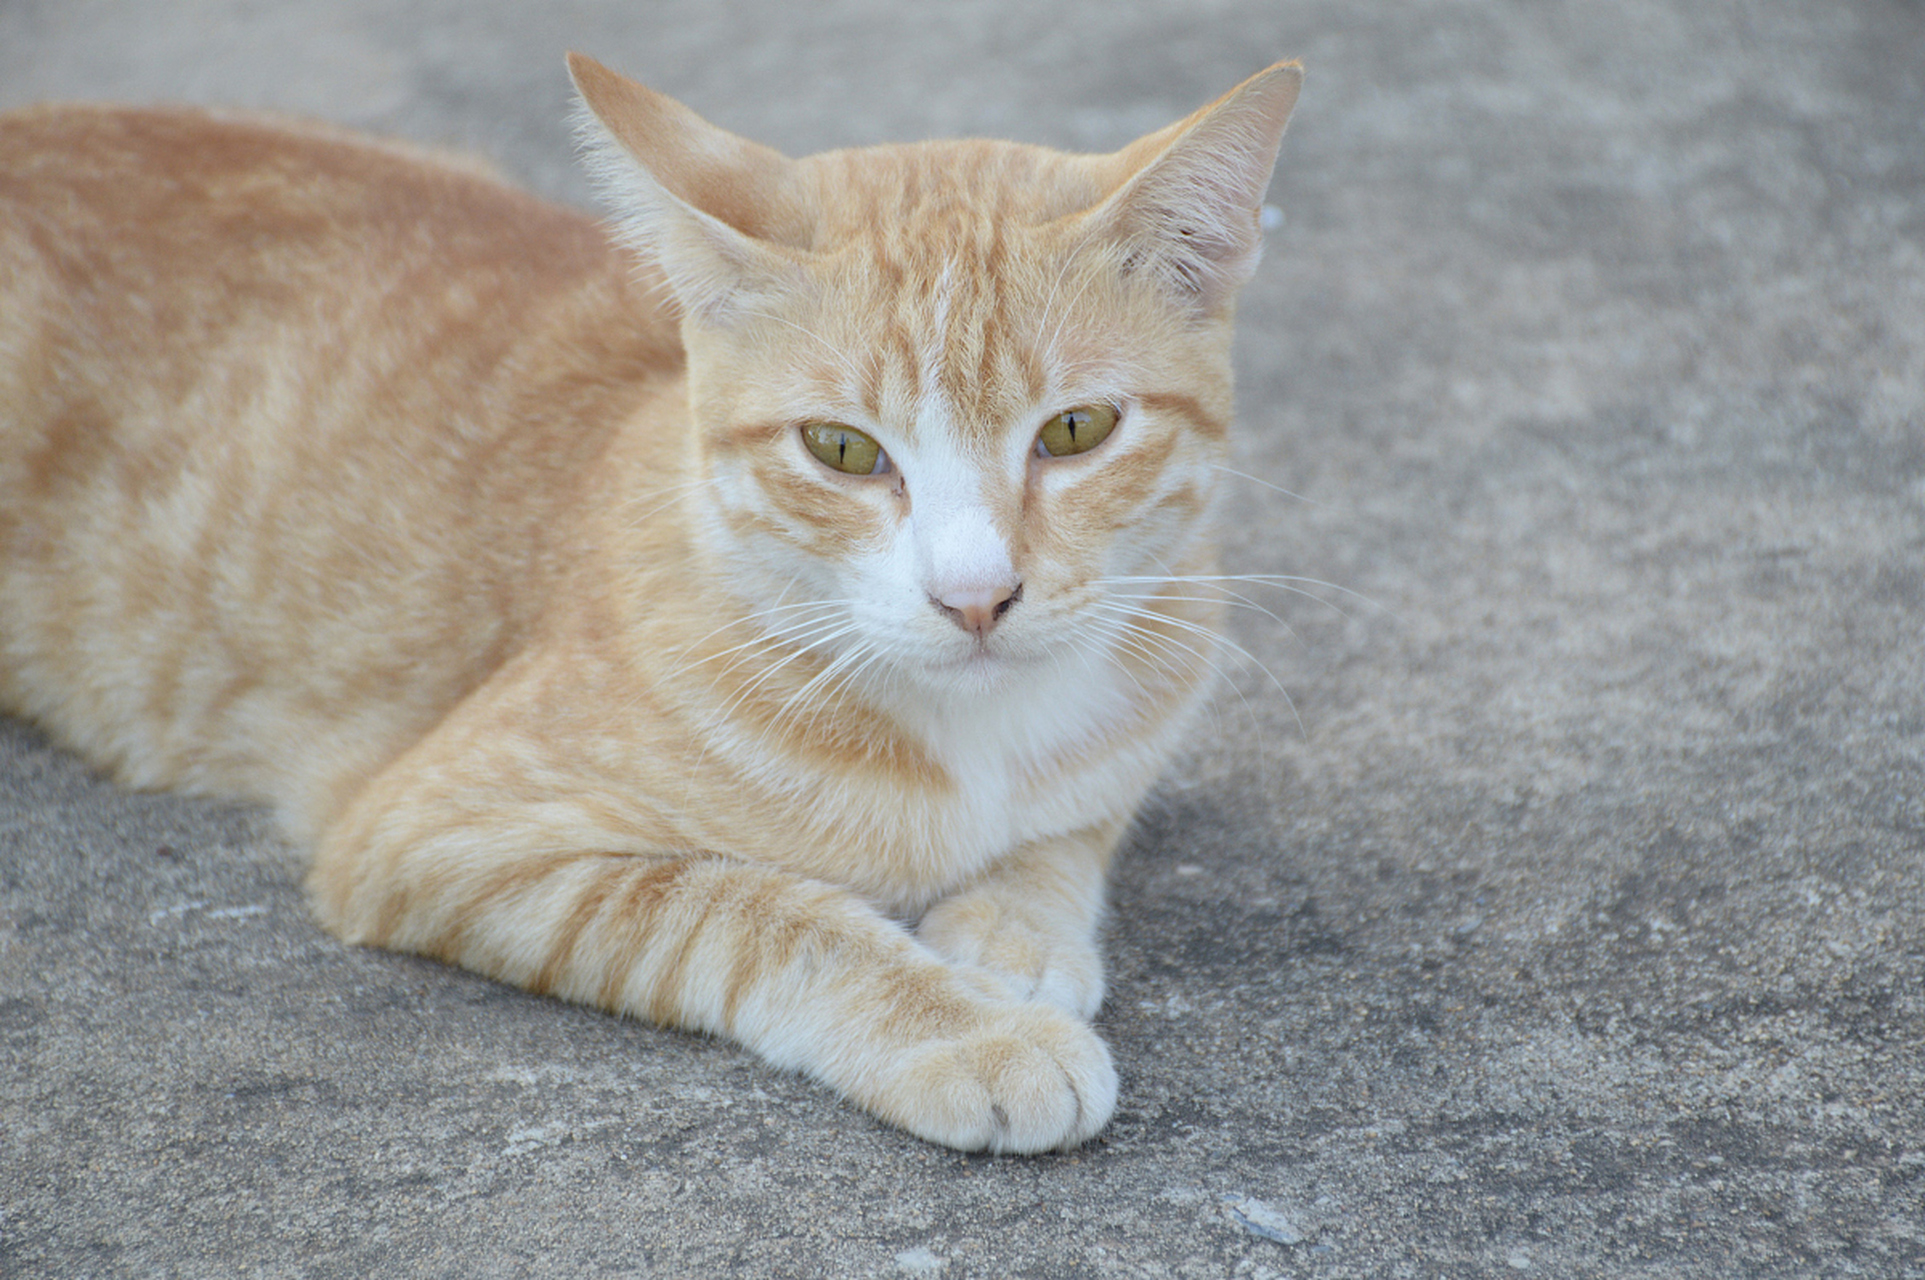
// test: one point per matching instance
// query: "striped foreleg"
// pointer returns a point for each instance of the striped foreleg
(802, 972)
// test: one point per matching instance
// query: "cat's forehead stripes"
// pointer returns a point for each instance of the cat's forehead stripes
(944, 243)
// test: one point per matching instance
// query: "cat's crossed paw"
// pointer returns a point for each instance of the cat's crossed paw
(1032, 960)
(1028, 1079)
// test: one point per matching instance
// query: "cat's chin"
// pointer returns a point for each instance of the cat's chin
(977, 671)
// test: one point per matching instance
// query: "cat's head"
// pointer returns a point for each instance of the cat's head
(958, 405)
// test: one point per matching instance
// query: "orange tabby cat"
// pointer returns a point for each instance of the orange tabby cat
(764, 623)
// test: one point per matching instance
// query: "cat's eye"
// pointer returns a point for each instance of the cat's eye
(845, 448)
(1076, 430)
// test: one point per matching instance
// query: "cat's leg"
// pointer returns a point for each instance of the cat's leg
(1032, 920)
(802, 972)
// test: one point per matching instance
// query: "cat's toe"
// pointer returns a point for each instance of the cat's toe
(1032, 1080)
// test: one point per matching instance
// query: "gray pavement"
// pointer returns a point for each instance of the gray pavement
(1554, 905)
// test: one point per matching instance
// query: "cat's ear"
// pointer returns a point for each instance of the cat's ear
(709, 207)
(1188, 198)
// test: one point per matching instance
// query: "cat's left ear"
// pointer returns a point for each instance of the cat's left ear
(711, 208)
(1188, 201)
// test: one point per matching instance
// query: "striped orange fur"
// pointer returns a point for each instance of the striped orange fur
(487, 548)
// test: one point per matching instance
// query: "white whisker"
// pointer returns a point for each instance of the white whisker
(845, 662)
(1282, 582)
(1245, 475)
(1127, 609)
(822, 634)
(852, 662)
(799, 633)
(1236, 599)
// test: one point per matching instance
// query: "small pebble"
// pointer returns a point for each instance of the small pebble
(1260, 1219)
(921, 1261)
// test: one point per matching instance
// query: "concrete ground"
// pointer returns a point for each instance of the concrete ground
(1552, 905)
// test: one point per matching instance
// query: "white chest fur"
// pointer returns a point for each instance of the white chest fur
(1053, 748)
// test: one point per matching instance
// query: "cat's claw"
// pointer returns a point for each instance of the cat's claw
(1029, 1080)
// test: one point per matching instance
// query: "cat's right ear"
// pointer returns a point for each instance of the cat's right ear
(709, 207)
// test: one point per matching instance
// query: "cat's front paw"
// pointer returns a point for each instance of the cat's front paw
(1027, 1080)
(1037, 962)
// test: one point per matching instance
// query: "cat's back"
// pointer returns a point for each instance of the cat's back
(278, 404)
(141, 248)
(160, 227)
(181, 179)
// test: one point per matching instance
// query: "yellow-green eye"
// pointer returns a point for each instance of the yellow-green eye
(1076, 430)
(845, 448)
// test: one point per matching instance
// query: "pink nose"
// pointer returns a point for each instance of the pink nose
(978, 609)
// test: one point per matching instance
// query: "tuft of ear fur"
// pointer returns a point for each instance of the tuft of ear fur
(1190, 196)
(711, 208)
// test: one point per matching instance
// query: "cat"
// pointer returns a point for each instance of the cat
(762, 616)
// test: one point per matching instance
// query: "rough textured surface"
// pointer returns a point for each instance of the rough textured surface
(1553, 905)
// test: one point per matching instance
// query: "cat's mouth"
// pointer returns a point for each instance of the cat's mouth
(977, 657)
(987, 662)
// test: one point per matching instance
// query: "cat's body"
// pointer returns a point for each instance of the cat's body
(507, 564)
